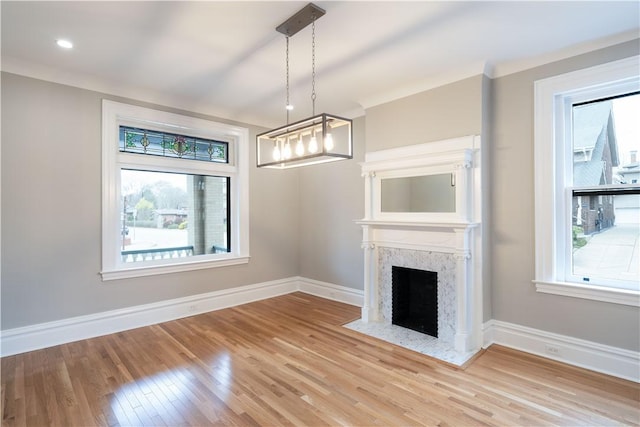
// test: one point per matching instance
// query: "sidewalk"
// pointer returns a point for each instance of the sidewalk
(612, 254)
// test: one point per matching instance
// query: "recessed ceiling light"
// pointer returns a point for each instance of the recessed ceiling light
(64, 43)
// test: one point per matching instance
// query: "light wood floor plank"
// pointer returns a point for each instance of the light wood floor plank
(288, 361)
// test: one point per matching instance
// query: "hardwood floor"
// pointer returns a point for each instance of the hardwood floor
(287, 361)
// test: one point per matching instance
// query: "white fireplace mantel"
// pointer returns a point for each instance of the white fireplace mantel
(456, 232)
(437, 237)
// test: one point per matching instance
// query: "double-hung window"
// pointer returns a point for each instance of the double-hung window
(175, 192)
(587, 211)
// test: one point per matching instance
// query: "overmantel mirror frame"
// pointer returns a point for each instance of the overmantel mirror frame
(451, 157)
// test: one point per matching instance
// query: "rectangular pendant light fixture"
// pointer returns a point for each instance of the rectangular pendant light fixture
(321, 138)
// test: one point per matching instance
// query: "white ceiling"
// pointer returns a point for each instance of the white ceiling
(226, 59)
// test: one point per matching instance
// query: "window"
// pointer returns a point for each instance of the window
(587, 210)
(175, 193)
(172, 215)
(605, 235)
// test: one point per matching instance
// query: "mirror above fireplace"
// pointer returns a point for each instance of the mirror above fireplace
(423, 193)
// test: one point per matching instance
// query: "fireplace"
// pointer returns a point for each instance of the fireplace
(415, 299)
(400, 229)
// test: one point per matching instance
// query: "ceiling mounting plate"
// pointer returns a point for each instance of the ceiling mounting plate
(300, 20)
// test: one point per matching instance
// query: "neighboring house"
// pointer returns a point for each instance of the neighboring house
(595, 154)
(166, 217)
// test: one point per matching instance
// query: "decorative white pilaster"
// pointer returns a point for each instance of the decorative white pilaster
(463, 180)
(463, 310)
(371, 308)
(368, 200)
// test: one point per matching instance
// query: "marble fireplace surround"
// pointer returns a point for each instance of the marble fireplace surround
(447, 243)
(442, 263)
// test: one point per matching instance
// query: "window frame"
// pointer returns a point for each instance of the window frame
(115, 114)
(553, 163)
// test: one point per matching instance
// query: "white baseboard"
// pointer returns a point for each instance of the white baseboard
(597, 357)
(35, 337)
(330, 291)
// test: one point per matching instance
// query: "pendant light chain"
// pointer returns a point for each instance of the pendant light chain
(287, 106)
(313, 66)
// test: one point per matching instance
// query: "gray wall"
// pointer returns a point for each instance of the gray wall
(445, 112)
(51, 218)
(514, 297)
(331, 199)
(487, 197)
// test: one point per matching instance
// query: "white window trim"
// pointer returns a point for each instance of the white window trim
(115, 114)
(552, 95)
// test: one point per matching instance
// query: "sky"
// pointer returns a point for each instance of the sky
(133, 180)
(626, 116)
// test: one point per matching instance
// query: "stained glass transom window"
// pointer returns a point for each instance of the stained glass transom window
(155, 143)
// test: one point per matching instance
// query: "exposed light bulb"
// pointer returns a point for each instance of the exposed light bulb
(299, 147)
(66, 44)
(328, 142)
(287, 151)
(313, 144)
(276, 151)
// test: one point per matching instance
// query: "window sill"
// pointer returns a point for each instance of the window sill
(127, 273)
(597, 293)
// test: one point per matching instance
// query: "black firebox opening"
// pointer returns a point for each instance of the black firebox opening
(415, 299)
